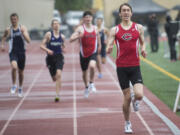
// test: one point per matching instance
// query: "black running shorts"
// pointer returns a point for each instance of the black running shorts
(54, 62)
(19, 57)
(127, 74)
(85, 61)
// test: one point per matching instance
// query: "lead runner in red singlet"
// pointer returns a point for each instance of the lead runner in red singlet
(127, 36)
(88, 37)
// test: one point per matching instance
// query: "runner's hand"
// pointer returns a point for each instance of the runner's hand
(2, 49)
(109, 49)
(143, 53)
(80, 35)
(50, 52)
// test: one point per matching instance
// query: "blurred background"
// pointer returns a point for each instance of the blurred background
(37, 14)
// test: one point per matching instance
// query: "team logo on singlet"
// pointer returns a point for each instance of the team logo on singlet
(127, 36)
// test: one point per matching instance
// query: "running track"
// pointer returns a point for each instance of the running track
(100, 114)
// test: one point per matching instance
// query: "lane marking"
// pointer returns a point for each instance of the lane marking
(21, 101)
(160, 69)
(74, 96)
(138, 114)
(175, 130)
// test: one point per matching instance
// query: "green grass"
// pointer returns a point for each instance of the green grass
(164, 87)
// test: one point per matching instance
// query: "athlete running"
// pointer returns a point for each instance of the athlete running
(18, 34)
(87, 36)
(104, 33)
(53, 45)
(127, 36)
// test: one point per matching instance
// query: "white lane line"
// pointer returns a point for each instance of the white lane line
(74, 96)
(21, 102)
(138, 114)
(168, 122)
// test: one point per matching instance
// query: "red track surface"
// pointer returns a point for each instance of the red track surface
(100, 114)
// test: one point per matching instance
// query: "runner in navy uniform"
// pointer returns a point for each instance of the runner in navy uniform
(18, 34)
(104, 33)
(53, 44)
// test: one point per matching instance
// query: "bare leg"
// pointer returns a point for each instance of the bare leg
(92, 66)
(84, 76)
(99, 63)
(103, 60)
(58, 81)
(21, 77)
(138, 91)
(126, 103)
(13, 71)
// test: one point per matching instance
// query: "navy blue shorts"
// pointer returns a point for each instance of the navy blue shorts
(127, 74)
(103, 52)
(19, 57)
(85, 61)
(54, 62)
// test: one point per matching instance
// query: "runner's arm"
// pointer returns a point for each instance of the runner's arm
(106, 31)
(5, 36)
(99, 41)
(111, 40)
(44, 42)
(63, 45)
(77, 34)
(25, 34)
(141, 40)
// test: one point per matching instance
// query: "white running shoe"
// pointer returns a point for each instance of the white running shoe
(92, 87)
(128, 128)
(135, 103)
(20, 92)
(86, 93)
(13, 89)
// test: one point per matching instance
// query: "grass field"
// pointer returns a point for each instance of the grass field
(164, 87)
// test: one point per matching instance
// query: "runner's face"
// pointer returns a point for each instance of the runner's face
(88, 19)
(56, 25)
(99, 22)
(14, 20)
(125, 13)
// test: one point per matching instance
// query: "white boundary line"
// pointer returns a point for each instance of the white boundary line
(175, 130)
(21, 102)
(137, 113)
(74, 96)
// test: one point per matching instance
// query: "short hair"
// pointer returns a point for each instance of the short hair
(87, 13)
(53, 20)
(100, 18)
(125, 4)
(13, 15)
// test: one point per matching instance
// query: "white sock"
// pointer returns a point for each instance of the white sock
(128, 122)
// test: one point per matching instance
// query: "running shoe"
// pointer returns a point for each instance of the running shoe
(20, 92)
(13, 89)
(135, 103)
(128, 128)
(57, 99)
(92, 87)
(100, 75)
(86, 93)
